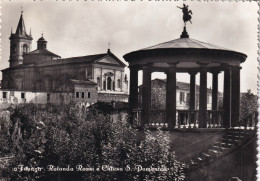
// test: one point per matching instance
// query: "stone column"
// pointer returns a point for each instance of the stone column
(192, 103)
(215, 90)
(203, 98)
(227, 98)
(235, 108)
(171, 97)
(133, 97)
(146, 96)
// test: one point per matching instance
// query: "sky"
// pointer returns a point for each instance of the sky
(78, 28)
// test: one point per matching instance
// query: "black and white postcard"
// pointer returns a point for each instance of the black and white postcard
(126, 90)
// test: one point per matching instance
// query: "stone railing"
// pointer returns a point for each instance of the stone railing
(158, 117)
(215, 119)
(189, 119)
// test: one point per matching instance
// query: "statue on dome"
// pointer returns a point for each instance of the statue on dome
(186, 13)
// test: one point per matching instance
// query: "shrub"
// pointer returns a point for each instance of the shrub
(75, 136)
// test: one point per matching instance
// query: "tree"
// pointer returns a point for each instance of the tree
(248, 104)
(74, 136)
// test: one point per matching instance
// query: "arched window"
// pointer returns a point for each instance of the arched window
(118, 83)
(109, 80)
(25, 48)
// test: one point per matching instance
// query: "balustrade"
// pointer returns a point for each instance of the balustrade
(189, 119)
(249, 122)
(158, 117)
(215, 118)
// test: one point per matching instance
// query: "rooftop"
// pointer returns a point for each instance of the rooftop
(186, 43)
(42, 52)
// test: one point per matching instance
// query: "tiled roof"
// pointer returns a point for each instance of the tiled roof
(87, 82)
(43, 52)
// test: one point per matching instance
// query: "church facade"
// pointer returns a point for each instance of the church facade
(88, 78)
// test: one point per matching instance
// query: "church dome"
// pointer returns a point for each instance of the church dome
(41, 43)
(41, 39)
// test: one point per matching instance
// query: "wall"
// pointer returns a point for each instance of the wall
(108, 97)
(60, 98)
(14, 97)
(86, 89)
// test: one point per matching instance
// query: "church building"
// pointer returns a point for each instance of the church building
(41, 76)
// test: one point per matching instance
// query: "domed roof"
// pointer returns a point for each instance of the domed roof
(184, 47)
(41, 39)
(185, 43)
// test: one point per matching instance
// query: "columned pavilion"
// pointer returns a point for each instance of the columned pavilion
(193, 57)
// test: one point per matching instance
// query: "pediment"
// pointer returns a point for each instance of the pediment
(109, 60)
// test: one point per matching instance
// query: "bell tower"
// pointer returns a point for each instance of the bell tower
(20, 43)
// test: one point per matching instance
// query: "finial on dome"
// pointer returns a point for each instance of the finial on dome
(184, 33)
(30, 32)
(21, 10)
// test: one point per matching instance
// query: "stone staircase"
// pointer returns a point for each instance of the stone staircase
(230, 140)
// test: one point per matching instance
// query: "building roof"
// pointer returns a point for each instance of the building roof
(42, 52)
(21, 26)
(73, 60)
(186, 43)
(86, 82)
(21, 30)
(41, 39)
(185, 47)
(89, 58)
(82, 59)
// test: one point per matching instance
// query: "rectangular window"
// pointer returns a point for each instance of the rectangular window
(82, 94)
(4, 95)
(77, 94)
(88, 94)
(22, 95)
(181, 97)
